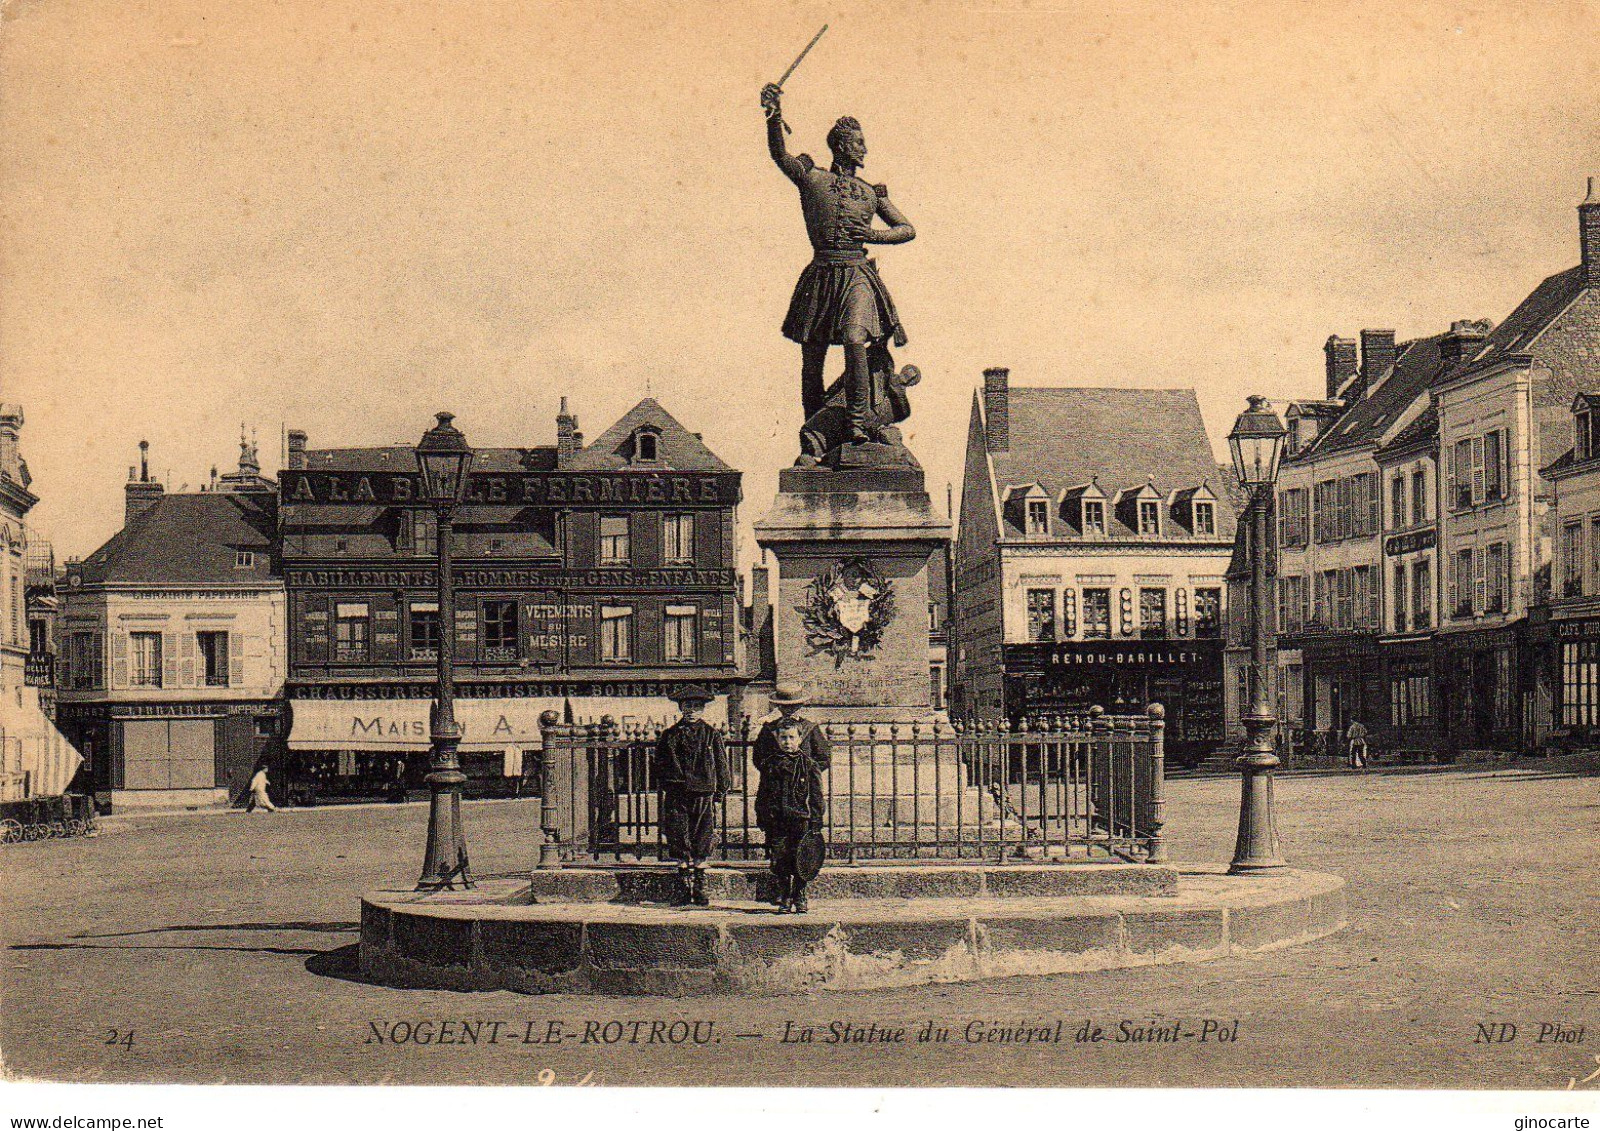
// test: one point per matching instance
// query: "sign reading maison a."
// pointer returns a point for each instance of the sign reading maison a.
(530, 488)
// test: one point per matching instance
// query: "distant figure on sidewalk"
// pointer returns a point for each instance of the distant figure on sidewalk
(791, 755)
(1356, 744)
(258, 792)
(691, 770)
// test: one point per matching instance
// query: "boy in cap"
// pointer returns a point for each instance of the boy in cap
(791, 754)
(691, 771)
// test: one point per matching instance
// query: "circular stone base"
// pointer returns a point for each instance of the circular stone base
(493, 938)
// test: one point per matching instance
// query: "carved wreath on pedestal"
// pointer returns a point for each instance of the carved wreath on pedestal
(848, 607)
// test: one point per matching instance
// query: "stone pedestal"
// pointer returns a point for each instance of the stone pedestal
(854, 539)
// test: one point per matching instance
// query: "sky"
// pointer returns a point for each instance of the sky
(345, 216)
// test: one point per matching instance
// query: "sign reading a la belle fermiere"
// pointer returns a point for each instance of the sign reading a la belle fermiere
(527, 488)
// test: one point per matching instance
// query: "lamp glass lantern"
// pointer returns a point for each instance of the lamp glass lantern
(444, 459)
(1257, 444)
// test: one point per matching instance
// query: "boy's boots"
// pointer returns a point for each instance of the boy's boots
(697, 888)
(684, 895)
(798, 903)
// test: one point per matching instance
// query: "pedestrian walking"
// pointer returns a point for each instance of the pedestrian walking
(791, 755)
(1356, 744)
(691, 770)
(259, 797)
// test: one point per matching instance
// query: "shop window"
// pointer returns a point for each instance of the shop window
(616, 634)
(1094, 517)
(422, 624)
(1152, 614)
(214, 655)
(679, 634)
(677, 539)
(146, 659)
(499, 630)
(1097, 614)
(1580, 683)
(1041, 615)
(168, 754)
(614, 547)
(1411, 700)
(352, 632)
(266, 726)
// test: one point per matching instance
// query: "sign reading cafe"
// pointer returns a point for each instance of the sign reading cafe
(532, 488)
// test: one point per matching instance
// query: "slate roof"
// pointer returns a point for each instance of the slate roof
(678, 450)
(189, 540)
(1063, 438)
(1420, 434)
(1417, 365)
(1529, 319)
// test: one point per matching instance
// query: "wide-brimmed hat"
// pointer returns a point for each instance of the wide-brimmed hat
(789, 695)
(693, 693)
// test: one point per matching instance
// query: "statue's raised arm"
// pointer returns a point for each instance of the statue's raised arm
(771, 104)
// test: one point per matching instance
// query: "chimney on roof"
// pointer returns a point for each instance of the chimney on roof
(1341, 362)
(1377, 358)
(140, 494)
(568, 439)
(1463, 341)
(997, 408)
(1589, 234)
(297, 449)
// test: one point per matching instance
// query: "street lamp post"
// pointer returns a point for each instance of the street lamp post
(444, 458)
(1257, 444)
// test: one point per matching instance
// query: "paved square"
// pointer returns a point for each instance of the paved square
(225, 945)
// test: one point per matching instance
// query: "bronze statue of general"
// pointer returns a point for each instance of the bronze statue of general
(839, 300)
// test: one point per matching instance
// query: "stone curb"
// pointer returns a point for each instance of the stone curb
(463, 943)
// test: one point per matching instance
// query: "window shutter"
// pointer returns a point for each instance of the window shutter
(1455, 585)
(169, 659)
(235, 660)
(119, 660)
(1375, 505)
(186, 658)
(1477, 471)
(1479, 583)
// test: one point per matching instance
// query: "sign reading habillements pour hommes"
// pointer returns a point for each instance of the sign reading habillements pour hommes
(532, 488)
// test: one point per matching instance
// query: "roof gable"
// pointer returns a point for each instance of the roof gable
(678, 449)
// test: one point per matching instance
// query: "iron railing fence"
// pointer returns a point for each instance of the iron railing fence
(1070, 787)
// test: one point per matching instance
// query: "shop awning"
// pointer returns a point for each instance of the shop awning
(402, 724)
(38, 761)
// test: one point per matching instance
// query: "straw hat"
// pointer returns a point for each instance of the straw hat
(789, 695)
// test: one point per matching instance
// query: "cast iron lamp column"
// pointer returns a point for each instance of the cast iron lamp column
(1257, 443)
(444, 459)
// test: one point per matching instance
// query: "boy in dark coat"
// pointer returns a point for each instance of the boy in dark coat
(691, 770)
(791, 754)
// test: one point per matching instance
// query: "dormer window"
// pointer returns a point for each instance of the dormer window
(1149, 517)
(244, 559)
(1584, 440)
(1094, 517)
(1205, 517)
(1038, 518)
(646, 445)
